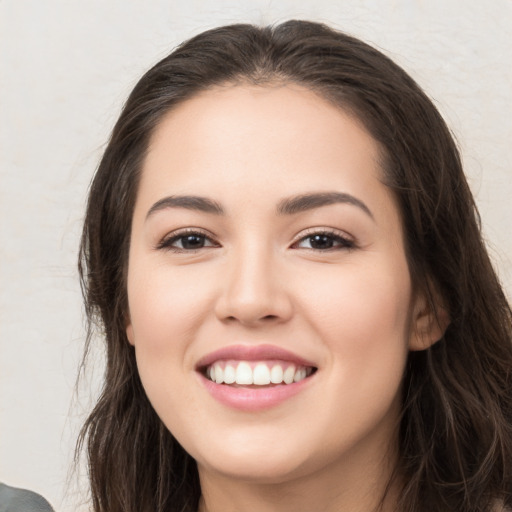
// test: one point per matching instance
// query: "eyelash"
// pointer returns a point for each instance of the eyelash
(344, 242)
(167, 243)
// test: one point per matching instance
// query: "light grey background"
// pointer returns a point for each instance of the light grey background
(66, 68)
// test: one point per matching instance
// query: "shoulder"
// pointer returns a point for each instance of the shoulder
(13, 499)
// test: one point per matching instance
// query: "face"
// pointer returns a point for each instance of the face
(270, 300)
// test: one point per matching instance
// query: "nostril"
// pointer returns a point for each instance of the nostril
(266, 318)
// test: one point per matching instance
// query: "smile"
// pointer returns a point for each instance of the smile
(260, 373)
(253, 378)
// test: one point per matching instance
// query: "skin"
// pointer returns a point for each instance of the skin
(350, 309)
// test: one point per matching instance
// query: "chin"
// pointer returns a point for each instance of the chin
(267, 461)
(260, 470)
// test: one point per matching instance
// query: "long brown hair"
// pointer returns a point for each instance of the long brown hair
(456, 428)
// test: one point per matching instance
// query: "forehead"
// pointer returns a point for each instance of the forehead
(278, 131)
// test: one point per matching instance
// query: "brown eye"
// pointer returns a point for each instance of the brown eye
(324, 242)
(191, 242)
(188, 241)
(321, 242)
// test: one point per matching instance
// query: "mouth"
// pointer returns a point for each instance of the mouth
(252, 378)
(266, 373)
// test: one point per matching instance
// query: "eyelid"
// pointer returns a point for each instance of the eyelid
(335, 233)
(169, 238)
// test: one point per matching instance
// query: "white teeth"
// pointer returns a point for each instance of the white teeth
(289, 374)
(229, 374)
(219, 375)
(244, 374)
(300, 374)
(261, 375)
(276, 374)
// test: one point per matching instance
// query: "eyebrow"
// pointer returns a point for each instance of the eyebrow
(289, 206)
(315, 200)
(203, 204)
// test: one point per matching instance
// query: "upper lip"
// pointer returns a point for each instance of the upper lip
(252, 353)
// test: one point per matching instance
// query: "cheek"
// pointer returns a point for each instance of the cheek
(165, 315)
(169, 306)
(164, 320)
(363, 315)
(366, 324)
(165, 307)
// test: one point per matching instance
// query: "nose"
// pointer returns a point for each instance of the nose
(253, 291)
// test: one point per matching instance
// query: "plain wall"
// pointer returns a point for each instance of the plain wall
(66, 68)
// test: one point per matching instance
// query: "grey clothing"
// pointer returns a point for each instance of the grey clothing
(13, 499)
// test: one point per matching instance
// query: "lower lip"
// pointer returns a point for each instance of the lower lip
(253, 399)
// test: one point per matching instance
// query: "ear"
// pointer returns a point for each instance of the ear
(430, 319)
(129, 332)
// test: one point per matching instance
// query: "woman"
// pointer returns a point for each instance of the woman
(299, 312)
